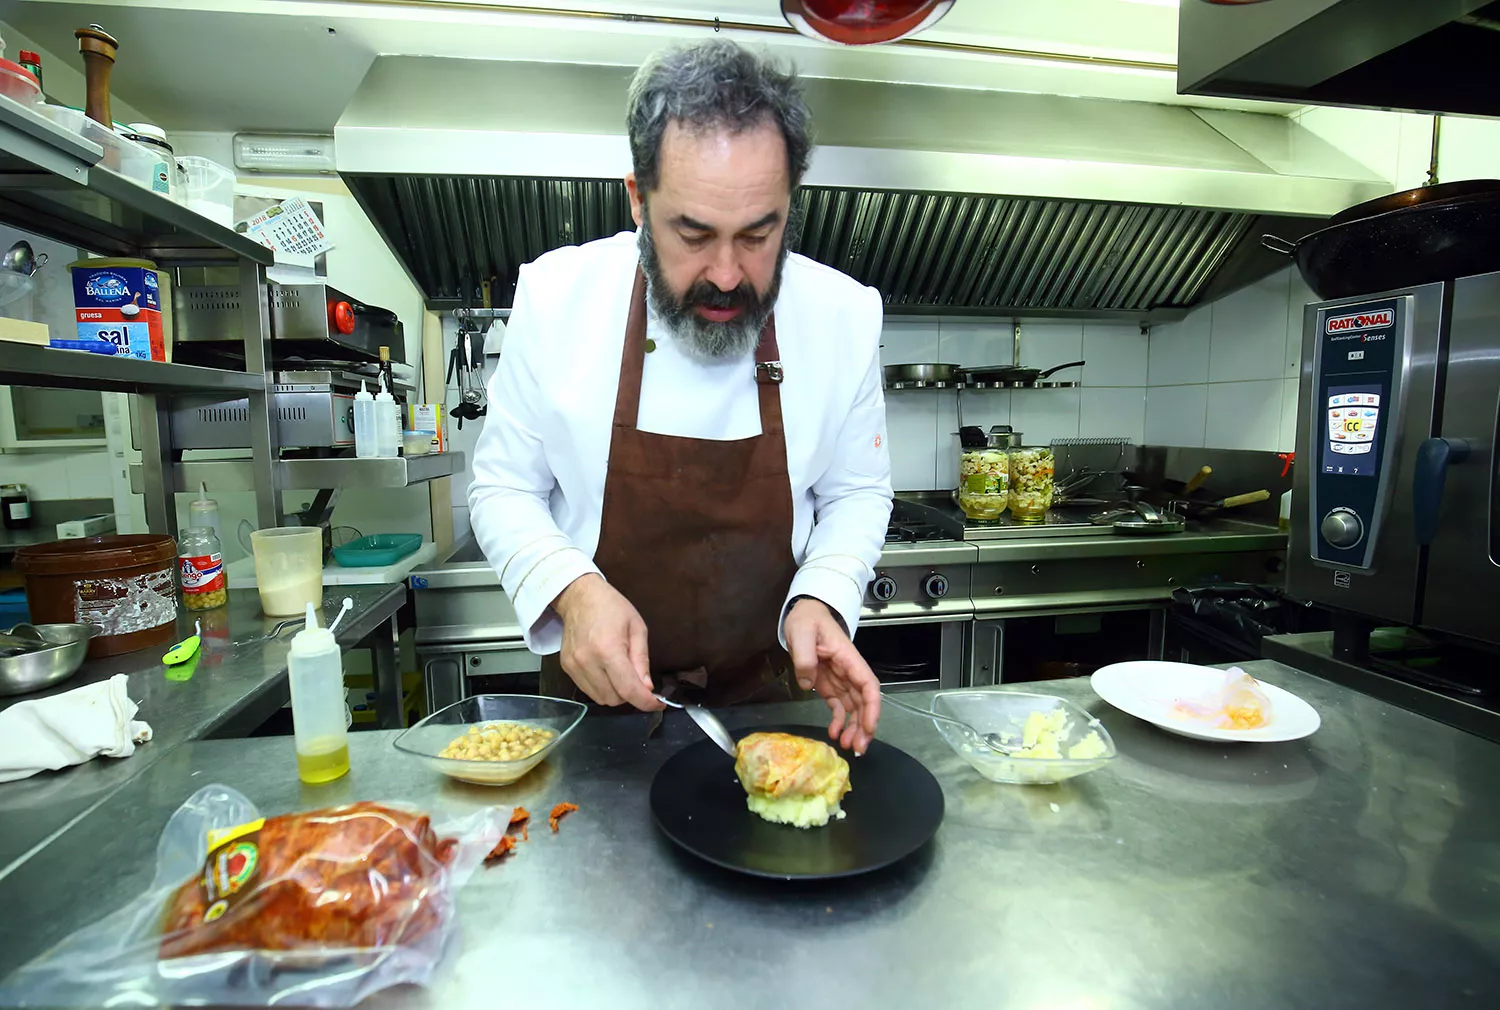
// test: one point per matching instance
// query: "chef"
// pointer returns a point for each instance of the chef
(683, 481)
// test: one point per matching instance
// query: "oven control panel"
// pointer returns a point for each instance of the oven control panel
(1359, 363)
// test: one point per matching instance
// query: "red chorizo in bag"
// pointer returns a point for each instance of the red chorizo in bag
(357, 876)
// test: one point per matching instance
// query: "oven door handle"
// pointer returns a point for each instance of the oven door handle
(1428, 481)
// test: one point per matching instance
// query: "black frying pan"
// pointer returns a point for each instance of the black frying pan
(1419, 236)
(1013, 373)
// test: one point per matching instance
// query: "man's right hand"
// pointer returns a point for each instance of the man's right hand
(604, 644)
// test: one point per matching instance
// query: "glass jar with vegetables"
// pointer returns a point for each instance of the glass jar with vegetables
(1031, 469)
(984, 473)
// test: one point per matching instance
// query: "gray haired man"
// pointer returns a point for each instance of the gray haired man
(683, 481)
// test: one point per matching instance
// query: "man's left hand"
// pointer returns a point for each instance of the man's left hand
(827, 662)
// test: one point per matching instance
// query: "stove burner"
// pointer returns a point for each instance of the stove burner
(910, 531)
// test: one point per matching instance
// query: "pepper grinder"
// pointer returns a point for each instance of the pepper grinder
(98, 50)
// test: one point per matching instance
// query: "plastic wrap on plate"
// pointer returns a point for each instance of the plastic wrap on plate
(1238, 704)
(307, 909)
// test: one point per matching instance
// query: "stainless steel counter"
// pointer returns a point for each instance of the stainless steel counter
(1313, 651)
(1359, 868)
(233, 689)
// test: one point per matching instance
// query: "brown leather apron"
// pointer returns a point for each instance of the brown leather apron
(697, 534)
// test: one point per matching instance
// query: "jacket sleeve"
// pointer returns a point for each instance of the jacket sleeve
(852, 499)
(513, 482)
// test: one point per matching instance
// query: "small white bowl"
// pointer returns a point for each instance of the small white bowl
(1005, 712)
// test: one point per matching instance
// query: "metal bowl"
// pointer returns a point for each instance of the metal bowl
(33, 671)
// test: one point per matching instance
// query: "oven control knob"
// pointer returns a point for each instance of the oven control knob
(883, 588)
(935, 586)
(1342, 528)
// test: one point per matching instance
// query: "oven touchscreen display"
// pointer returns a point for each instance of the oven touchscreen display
(1353, 415)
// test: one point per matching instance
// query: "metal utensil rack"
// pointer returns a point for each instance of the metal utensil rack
(52, 183)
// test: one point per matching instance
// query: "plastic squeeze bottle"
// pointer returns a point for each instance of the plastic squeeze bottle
(387, 424)
(316, 673)
(364, 423)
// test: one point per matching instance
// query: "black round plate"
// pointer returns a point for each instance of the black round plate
(894, 808)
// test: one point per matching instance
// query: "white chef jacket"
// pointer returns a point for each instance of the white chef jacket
(540, 462)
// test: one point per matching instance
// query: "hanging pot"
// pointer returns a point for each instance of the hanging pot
(1418, 236)
(862, 22)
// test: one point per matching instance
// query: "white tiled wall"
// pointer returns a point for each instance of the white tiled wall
(922, 424)
(1226, 376)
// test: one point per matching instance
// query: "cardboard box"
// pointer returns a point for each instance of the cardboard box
(431, 418)
(23, 332)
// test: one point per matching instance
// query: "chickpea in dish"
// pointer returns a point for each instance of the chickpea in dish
(498, 741)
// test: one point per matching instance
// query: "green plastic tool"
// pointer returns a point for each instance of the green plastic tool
(185, 649)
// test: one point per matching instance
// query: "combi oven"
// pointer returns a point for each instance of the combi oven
(1398, 505)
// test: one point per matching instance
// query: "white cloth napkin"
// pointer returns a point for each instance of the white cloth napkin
(69, 729)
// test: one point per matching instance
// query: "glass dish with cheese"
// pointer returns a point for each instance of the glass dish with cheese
(1058, 738)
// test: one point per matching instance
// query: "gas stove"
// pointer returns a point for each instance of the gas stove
(913, 531)
(936, 510)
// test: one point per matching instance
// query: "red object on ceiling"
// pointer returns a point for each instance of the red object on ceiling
(862, 22)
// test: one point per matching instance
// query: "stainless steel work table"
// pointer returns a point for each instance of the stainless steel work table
(233, 689)
(1359, 868)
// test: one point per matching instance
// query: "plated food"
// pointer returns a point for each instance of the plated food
(1206, 703)
(791, 779)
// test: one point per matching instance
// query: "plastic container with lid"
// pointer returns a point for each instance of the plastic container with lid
(149, 160)
(1031, 472)
(200, 562)
(210, 189)
(984, 472)
(19, 84)
(320, 721)
(125, 585)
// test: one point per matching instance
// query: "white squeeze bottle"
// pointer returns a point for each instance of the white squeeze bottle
(316, 672)
(364, 423)
(387, 424)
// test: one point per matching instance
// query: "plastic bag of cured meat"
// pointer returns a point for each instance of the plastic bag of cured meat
(320, 908)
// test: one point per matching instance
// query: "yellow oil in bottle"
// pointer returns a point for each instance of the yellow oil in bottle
(323, 760)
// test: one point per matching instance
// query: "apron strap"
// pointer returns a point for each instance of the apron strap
(768, 373)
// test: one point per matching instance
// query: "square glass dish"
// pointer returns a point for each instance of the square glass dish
(428, 738)
(1006, 713)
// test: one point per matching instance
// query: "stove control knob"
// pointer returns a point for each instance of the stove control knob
(1342, 528)
(935, 586)
(883, 588)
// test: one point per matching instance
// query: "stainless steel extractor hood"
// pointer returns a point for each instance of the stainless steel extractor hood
(946, 200)
(1423, 55)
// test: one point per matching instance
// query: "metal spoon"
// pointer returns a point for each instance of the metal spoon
(707, 722)
(20, 259)
(273, 633)
(991, 740)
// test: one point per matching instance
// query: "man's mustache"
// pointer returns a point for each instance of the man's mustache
(709, 296)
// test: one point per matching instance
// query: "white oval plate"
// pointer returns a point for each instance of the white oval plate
(1148, 690)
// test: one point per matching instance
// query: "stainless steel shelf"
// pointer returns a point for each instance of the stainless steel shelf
(52, 183)
(29, 365)
(314, 474)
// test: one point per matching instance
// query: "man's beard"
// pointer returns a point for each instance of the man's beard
(702, 338)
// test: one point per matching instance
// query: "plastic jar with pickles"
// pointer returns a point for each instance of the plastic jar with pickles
(1031, 471)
